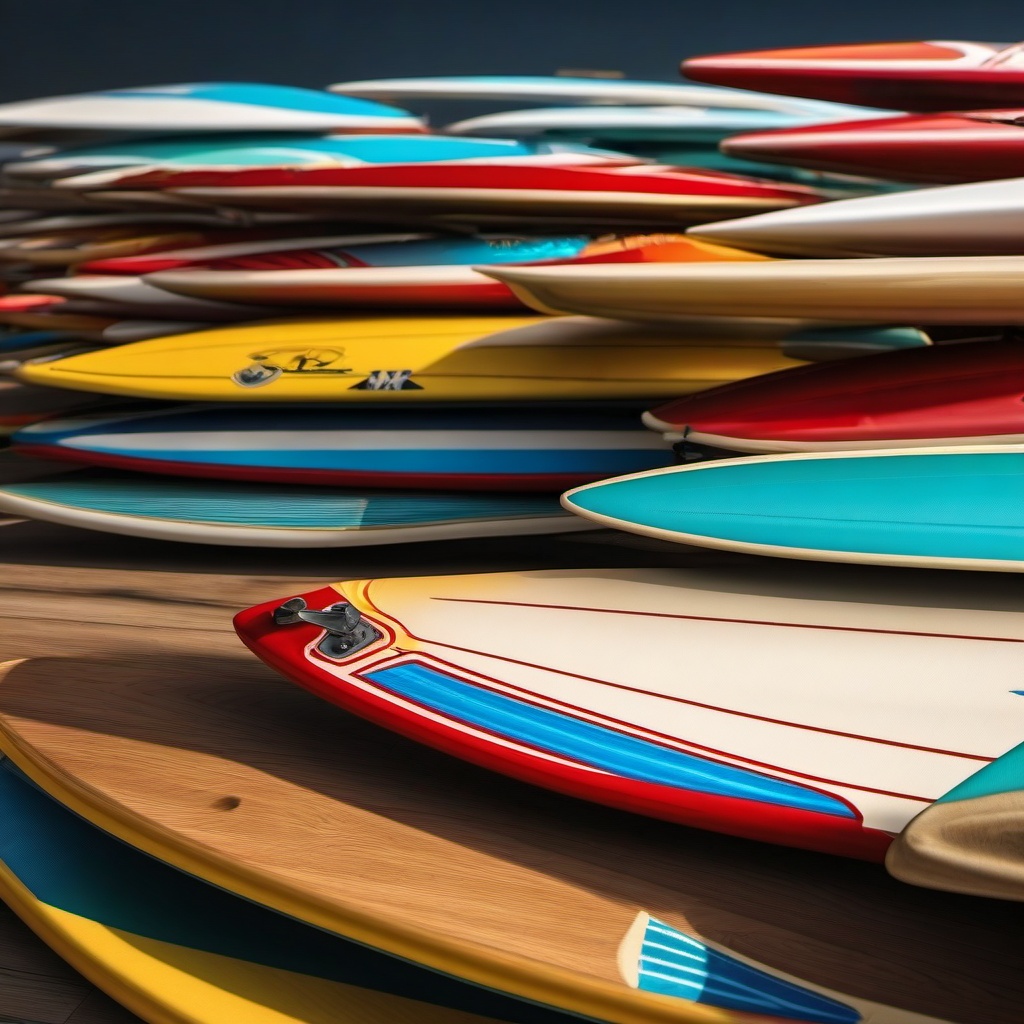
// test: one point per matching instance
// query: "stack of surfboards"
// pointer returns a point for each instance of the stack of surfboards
(300, 320)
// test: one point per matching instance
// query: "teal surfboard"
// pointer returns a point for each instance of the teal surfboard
(937, 507)
(267, 515)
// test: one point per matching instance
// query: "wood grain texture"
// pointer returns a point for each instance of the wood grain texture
(348, 821)
(974, 846)
(137, 666)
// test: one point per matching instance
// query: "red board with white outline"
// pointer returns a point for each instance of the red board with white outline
(823, 710)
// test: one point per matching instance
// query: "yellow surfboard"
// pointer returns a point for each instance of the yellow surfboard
(421, 359)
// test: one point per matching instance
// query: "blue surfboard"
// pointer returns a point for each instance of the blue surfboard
(463, 449)
(267, 515)
(936, 507)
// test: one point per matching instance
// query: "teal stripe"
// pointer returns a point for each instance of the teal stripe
(260, 505)
(1004, 775)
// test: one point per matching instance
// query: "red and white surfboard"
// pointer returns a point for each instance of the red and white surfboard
(928, 75)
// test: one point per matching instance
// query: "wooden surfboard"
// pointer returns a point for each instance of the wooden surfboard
(929, 75)
(522, 892)
(970, 393)
(941, 290)
(422, 359)
(968, 840)
(173, 948)
(975, 219)
(946, 507)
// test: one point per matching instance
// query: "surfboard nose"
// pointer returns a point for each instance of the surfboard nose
(260, 631)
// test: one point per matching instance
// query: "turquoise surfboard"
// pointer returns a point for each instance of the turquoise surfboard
(266, 515)
(936, 507)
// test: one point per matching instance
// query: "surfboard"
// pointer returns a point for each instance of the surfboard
(172, 259)
(204, 107)
(428, 272)
(280, 150)
(707, 125)
(462, 449)
(39, 987)
(19, 341)
(415, 272)
(965, 841)
(173, 948)
(522, 892)
(388, 150)
(276, 516)
(639, 194)
(135, 297)
(930, 148)
(933, 507)
(21, 404)
(572, 89)
(797, 751)
(975, 219)
(941, 395)
(942, 290)
(84, 245)
(415, 359)
(929, 75)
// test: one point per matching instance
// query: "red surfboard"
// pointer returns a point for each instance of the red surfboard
(932, 75)
(668, 192)
(934, 148)
(970, 393)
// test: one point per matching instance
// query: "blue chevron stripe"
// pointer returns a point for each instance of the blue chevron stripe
(676, 964)
(595, 745)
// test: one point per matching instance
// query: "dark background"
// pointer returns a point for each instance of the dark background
(78, 45)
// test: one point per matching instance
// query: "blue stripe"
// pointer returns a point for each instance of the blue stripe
(421, 462)
(284, 97)
(294, 420)
(595, 745)
(700, 974)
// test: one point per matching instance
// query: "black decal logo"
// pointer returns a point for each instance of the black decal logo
(388, 380)
(271, 364)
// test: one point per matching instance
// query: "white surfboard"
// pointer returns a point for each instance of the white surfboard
(204, 106)
(984, 218)
(569, 89)
(820, 707)
(142, 299)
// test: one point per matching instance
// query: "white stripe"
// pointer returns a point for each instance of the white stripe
(371, 440)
